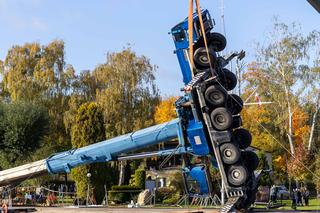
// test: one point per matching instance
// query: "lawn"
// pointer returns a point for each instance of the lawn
(314, 204)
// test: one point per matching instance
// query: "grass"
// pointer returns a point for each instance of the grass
(314, 204)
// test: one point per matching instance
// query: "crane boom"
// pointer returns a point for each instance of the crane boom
(100, 152)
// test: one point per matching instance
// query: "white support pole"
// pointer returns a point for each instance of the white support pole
(222, 192)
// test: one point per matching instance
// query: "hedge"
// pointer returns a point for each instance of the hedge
(124, 193)
(124, 187)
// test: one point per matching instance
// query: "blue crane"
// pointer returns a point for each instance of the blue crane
(208, 124)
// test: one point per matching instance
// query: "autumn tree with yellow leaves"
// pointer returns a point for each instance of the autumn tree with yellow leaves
(282, 75)
(165, 111)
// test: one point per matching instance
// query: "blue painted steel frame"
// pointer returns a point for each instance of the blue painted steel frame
(182, 45)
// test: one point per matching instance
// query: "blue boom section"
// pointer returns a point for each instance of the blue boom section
(110, 149)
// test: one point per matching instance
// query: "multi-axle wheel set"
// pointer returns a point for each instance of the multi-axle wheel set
(222, 109)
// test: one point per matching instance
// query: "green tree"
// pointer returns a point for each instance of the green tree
(127, 92)
(38, 73)
(84, 90)
(18, 71)
(22, 126)
(316, 179)
(89, 129)
(265, 179)
(284, 73)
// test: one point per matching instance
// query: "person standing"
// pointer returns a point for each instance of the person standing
(306, 195)
(4, 208)
(295, 195)
(273, 193)
(299, 202)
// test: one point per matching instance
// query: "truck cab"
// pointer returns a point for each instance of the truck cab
(181, 40)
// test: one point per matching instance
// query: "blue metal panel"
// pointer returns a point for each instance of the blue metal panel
(198, 173)
(197, 138)
(184, 65)
(181, 40)
(110, 149)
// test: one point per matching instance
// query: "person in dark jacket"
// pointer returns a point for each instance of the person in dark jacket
(273, 194)
(299, 194)
(306, 195)
(294, 199)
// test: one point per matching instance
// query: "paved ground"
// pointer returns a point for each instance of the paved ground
(134, 210)
(122, 210)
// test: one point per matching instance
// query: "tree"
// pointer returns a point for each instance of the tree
(19, 67)
(165, 111)
(296, 169)
(84, 90)
(252, 115)
(265, 179)
(89, 129)
(317, 172)
(127, 92)
(286, 72)
(38, 73)
(279, 72)
(22, 127)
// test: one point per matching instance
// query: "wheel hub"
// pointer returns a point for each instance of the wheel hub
(228, 153)
(220, 118)
(236, 174)
(204, 59)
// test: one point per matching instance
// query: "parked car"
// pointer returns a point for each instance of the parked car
(282, 192)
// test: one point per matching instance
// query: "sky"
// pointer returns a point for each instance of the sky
(93, 28)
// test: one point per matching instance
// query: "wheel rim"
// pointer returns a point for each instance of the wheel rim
(220, 119)
(228, 153)
(203, 59)
(215, 95)
(236, 174)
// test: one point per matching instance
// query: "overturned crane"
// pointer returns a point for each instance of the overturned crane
(208, 123)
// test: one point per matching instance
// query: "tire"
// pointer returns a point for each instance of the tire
(217, 41)
(216, 95)
(228, 79)
(251, 160)
(234, 104)
(236, 122)
(237, 175)
(242, 137)
(230, 153)
(221, 118)
(201, 58)
(246, 203)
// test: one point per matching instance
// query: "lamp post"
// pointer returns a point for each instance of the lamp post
(155, 189)
(88, 190)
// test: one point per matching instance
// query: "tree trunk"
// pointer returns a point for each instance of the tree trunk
(122, 172)
(314, 118)
(290, 135)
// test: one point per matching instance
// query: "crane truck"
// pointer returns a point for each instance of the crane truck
(208, 125)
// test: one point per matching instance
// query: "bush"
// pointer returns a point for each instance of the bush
(140, 178)
(164, 193)
(173, 199)
(124, 187)
(123, 194)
